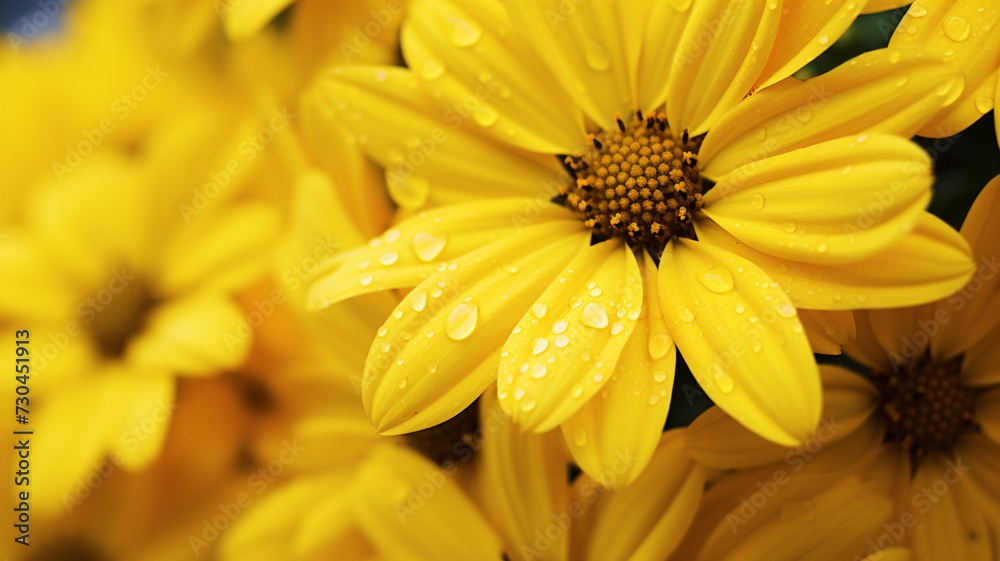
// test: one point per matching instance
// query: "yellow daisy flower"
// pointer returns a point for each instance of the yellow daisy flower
(923, 425)
(576, 242)
(965, 33)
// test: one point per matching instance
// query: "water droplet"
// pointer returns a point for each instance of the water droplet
(540, 345)
(895, 57)
(595, 292)
(366, 280)
(462, 321)
(847, 170)
(917, 11)
(427, 246)
(391, 235)
(757, 201)
(659, 346)
(382, 331)
(402, 383)
(580, 438)
(654, 399)
(418, 301)
(485, 115)
(464, 33)
(740, 308)
(686, 314)
(561, 341)
(786, 310)
(408, 191)
(519, 393)
(538, 371)
(862, 139)
(761, 134)
(388, 258)
(596, 55)
(432, 70)
(956, 28)
(824, 39)
(527, 406)
(381, 76)
(788, 227)
(722, 380)
(617, 328)
(659, 376)
(718, 280)
(510, 268)
(822, 247)
(594, 315)
(559, 326)
(539, 310)
(984, 104)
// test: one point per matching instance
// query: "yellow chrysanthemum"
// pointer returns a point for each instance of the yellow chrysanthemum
(923, 425)
(577, 241)
(965, 33)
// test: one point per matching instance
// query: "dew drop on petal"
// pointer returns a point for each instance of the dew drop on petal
(388, 258)
(561, 341)
(402, 383)
(391, 235)
(540, 345)
(432, 70)
(659, 346)
(740, 308)
(719, 280)
(686, 314)
(956, 28)
(462, 321)
(580, 437)
(594, 315)
(786, 310)
(527, 406)
(463, 33)
(596, 55)
(418, 301)
(539, 310)
(366, 280)
(757, 201)
(722, 380)
(427, 246)
(617, 328)
(984, 104)
(660, 376)
(559, 326)
(538, 371)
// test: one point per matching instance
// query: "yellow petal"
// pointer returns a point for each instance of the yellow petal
(431, 156)
(244, 19)
(406, 254)
(412, 510)
(828, 331)
(501, 80)
(988, 413)
(292, 516)
(770, 204)
(930, 262)
(975, 309)
(521, 482)
(965, 33)
(198, 334)
(894, 554)
(902, 333)
(665, 21)
(732, 325)
(946, 525)
(224, 253)
(659, 508)
(865, 348)
(889, 91)
(981, 363)
(625, 419)
(566, 346)
(717, 440)
(805, 30)
(583, 45)
(873, 6)
(724, 47)
(439, 350)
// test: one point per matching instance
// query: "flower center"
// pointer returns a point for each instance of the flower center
(636, 182)
(450, 441)
(925, 405)
(118, 316)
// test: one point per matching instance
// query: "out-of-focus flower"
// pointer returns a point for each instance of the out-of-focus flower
(924, 425)
(575, 276)
(966, 33)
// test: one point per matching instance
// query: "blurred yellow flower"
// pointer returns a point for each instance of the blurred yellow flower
(575, 240)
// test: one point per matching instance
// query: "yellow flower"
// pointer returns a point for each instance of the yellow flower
(121, 297)
(576, 240)
(924, 425)
(965, 33)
